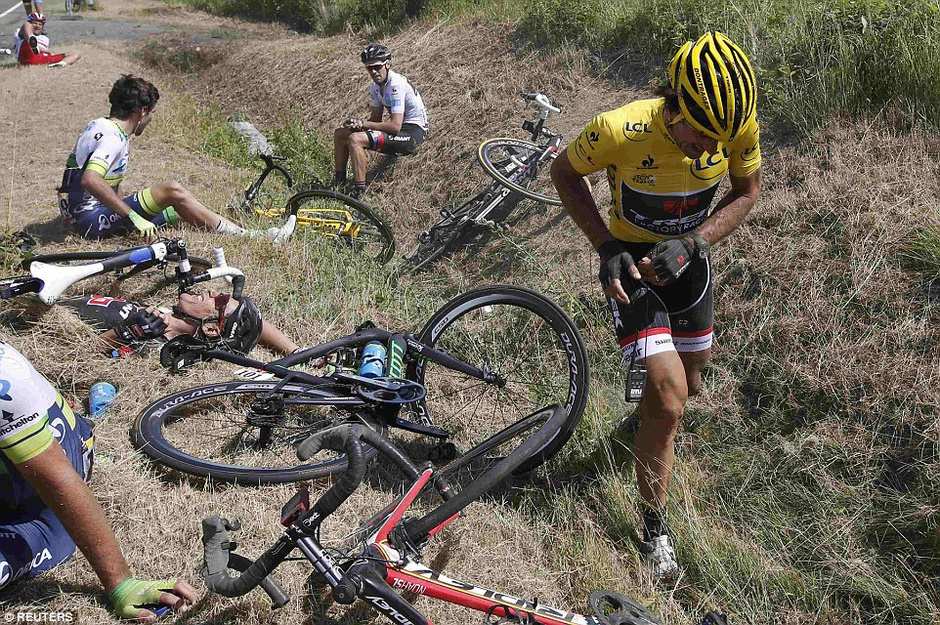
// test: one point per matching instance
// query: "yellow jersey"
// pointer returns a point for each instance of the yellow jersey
(657, 191)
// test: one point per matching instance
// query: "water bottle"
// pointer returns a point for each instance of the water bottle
(100, 397)
(373, 360)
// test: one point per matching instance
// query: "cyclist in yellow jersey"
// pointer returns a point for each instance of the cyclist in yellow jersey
(664, 158)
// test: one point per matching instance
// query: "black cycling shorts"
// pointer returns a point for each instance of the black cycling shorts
(681, 318)
(409, 137)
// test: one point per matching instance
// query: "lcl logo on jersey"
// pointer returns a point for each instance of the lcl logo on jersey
(711, 167)
(636, 131)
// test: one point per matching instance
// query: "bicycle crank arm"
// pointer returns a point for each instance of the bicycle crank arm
(420, 428)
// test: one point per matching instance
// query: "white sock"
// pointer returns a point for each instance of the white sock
(227, 227)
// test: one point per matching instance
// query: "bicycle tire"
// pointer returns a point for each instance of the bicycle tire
(487, 155)
(518, 334)
(198, 263)
(152, 433)
(374, 236)
(19, 285)
(549, 421)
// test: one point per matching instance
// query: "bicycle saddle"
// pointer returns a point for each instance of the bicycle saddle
(56, 279)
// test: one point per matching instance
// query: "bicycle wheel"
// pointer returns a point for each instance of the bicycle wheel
(347, 219)
(528, 342)
(478, 470)
(514, 163)
(241, 432)
(82, 258)
(491, 462)
(19, 285)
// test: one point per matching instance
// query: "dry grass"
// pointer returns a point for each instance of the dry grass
(806, 488)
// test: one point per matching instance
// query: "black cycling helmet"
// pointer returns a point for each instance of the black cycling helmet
(242, 328)
(375, 53)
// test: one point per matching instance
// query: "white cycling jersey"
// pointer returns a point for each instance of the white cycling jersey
(25, 402)
(397, 95)
(103, 147)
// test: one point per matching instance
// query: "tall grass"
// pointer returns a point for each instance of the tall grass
(814, 59)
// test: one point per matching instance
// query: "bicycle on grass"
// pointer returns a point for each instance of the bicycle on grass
(474, 370)
(517, 167)
(386, 550)
(51, 274)
(325, 211)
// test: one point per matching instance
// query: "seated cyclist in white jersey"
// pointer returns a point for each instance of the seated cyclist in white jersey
(401, 133)
(99, 162)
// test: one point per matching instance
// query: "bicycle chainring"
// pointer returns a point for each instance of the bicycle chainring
(396, 392)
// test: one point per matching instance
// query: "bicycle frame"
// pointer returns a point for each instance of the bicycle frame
(381, 567)
(281, 370)
(52, 280)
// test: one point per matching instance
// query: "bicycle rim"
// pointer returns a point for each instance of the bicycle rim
(523, 338)
(345, 219)
(503, 159)
(239, 432)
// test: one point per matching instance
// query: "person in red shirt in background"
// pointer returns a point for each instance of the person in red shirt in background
(33, 45)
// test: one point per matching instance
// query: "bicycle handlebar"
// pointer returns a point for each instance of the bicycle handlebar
(218, 558)
(540, 101)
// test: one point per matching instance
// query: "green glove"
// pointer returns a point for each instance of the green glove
(133, 595)
(143, 226)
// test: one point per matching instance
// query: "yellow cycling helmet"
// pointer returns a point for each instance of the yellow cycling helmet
(716, 86)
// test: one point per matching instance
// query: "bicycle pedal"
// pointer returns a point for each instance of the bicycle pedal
(420, 428)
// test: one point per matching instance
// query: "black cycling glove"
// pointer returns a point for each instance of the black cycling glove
(673, 256)
(615, 265)
(141, 325)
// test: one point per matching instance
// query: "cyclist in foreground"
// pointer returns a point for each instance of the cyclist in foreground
(45, 464)
(129, 327)
(403, 131)
(99, 162)
(664, 159)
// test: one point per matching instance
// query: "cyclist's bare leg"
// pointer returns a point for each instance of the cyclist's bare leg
(191, 210)
(358, 144)
(694, 362)
(660, 412)
(341, 149)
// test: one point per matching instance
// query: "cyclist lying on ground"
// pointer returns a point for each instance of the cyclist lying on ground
(99, 163)
(31, 44)
(401, 133)
(48, 509)
(665, 158)
(128, 327)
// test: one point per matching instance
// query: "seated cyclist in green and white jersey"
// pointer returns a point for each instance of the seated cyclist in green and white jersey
(46, 456)
(99, 162)
(403, 131)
